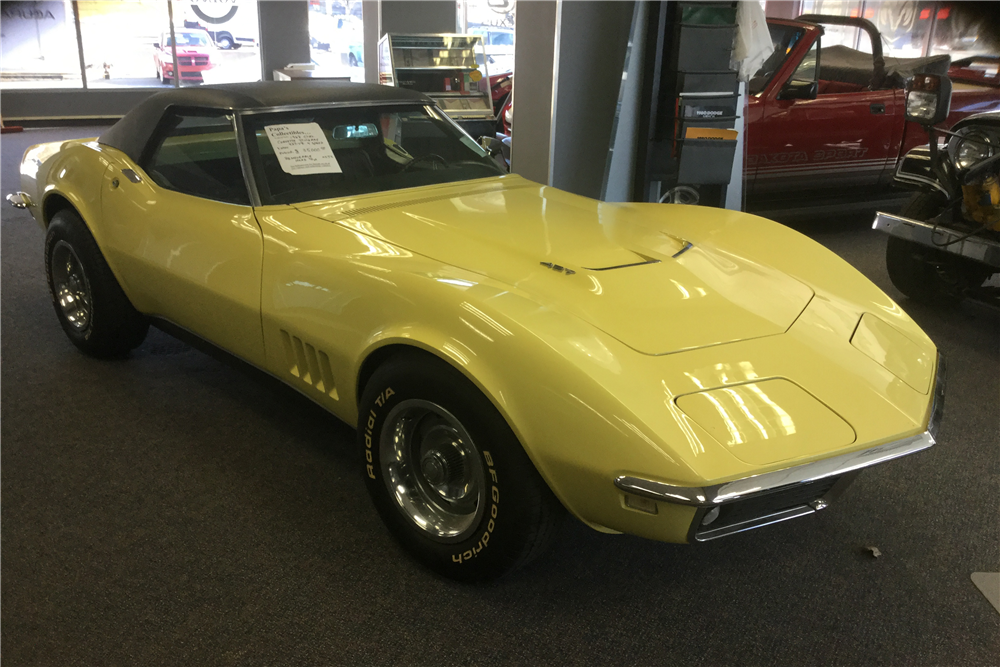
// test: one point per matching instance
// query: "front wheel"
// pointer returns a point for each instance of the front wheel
(92, 308)
(924, 274)
(352, 60)
(447, 475)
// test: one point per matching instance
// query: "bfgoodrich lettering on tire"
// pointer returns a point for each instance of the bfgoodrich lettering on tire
(447, 474)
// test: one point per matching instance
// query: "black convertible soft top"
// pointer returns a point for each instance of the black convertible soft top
(842, 63)
(132, 133)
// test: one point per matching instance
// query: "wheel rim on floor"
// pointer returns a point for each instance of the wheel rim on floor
(432, 469)
(71, 287)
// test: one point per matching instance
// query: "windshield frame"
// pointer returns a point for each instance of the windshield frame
(803, 35)
(254, 169)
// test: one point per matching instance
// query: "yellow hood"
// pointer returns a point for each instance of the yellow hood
(612, 266)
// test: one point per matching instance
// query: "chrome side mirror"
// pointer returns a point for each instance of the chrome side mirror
(928, 98)
(491, 145)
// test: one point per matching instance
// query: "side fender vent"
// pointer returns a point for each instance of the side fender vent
(309, 365)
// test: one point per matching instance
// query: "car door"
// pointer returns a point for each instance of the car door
(840, 139)
(182, 235)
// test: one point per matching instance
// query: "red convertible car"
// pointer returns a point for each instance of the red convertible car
(832, 117)
(193, 56)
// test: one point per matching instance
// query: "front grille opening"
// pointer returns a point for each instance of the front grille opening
(760, 507)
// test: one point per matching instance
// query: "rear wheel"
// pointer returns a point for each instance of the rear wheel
(352, 60)
(925, 274)
(447, 475)
(92, 308)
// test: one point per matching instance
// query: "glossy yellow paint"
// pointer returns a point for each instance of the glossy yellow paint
(72, 170)
(586, 358)
(767, 422)
(189, 260)
(888, 346)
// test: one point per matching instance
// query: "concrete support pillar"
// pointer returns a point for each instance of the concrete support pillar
(569, 58)
(534, 53)
(370, 18)
(284, 34)
(591, 41)
(624, 153)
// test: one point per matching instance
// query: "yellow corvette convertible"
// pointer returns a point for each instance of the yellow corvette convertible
(506, 350)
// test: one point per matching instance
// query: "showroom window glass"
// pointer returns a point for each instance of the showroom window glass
(38, 46)
(493, 20)
(126, 43)
(336, 38)
(911, 29)
(118, 41)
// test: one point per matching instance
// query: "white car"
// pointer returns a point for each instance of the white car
(499, 46)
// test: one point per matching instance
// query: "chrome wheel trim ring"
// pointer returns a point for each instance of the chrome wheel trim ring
(70, 286)
(432, 469)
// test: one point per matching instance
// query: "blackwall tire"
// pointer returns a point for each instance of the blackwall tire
(447, 475)
(91, 307)
(352, 60)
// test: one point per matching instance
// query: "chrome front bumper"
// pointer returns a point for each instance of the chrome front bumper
(789, 493)
(975, 247)
(19, 200)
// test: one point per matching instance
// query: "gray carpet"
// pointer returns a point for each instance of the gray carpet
(171, 510)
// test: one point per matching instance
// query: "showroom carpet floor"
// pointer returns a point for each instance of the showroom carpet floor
(171, 510)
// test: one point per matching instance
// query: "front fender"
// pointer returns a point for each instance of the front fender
(74, 171)
(332, 297)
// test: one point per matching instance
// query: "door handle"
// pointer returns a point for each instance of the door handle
(877, 108)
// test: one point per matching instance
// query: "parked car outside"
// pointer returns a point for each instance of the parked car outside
(499, 45)
(339, 35)
(506, 350)
(194, 49)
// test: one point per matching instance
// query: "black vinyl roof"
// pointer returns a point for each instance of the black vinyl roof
(132, 133)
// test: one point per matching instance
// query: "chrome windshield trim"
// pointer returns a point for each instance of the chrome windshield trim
(330, 105)
(246, 164)
(748, 487)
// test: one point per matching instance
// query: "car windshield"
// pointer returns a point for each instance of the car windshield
(783, 40)
(331, 152)
(190, 39)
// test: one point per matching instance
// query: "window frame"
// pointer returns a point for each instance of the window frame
(163, 130)
(253, 165)
(816, 67)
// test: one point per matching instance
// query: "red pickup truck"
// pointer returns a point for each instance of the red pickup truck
(823, 118)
